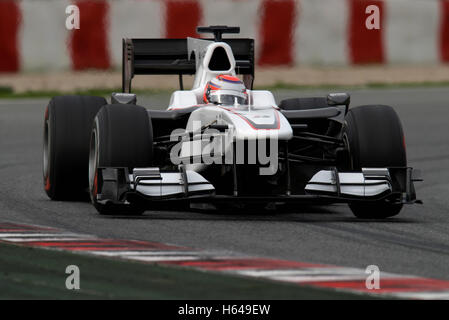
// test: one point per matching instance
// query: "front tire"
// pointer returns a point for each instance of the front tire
(375, 139)
(122, 136)
(67, 126)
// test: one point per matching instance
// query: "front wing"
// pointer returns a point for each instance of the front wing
(118, 185)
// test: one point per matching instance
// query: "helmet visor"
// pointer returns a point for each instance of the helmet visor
(221, 98)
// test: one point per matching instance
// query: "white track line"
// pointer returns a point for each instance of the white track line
(199, 256)
(43, 235)
(40, 239)
(320, 274)
(429, 295)
(143, 253)
(163, 258)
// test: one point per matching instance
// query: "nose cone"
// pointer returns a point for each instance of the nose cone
(255, 123)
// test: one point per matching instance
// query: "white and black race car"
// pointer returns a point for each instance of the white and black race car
(222, 141)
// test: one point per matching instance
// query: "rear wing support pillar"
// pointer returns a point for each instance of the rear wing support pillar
(127, 65)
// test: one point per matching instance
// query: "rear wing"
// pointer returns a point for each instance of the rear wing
(170, 56)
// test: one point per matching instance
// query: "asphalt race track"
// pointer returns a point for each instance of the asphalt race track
(415, 242)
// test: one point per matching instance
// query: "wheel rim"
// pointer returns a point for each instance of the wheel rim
(93, 163)
(348, 146)
(47, 145)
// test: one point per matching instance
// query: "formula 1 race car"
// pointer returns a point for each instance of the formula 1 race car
(222, 141)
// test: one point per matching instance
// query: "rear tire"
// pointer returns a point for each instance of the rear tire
(374, 136)
(122, 136)
(67, 126)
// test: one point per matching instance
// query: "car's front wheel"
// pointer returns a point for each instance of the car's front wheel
(375, 139)
(121, 136)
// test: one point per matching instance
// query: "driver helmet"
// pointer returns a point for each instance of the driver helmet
(225, 89)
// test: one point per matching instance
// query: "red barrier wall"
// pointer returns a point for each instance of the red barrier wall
(9, 29)
(181, 18)
(365, 45)
(89, 45)
(278, 20)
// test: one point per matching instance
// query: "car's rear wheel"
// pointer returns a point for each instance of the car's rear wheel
(375, 139)
(122, 136)
(67, 126)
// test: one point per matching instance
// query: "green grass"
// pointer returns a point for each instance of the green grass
(8, 93)
(31, 273)
(372, 85)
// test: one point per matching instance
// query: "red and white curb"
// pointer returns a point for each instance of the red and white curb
(315, 275)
